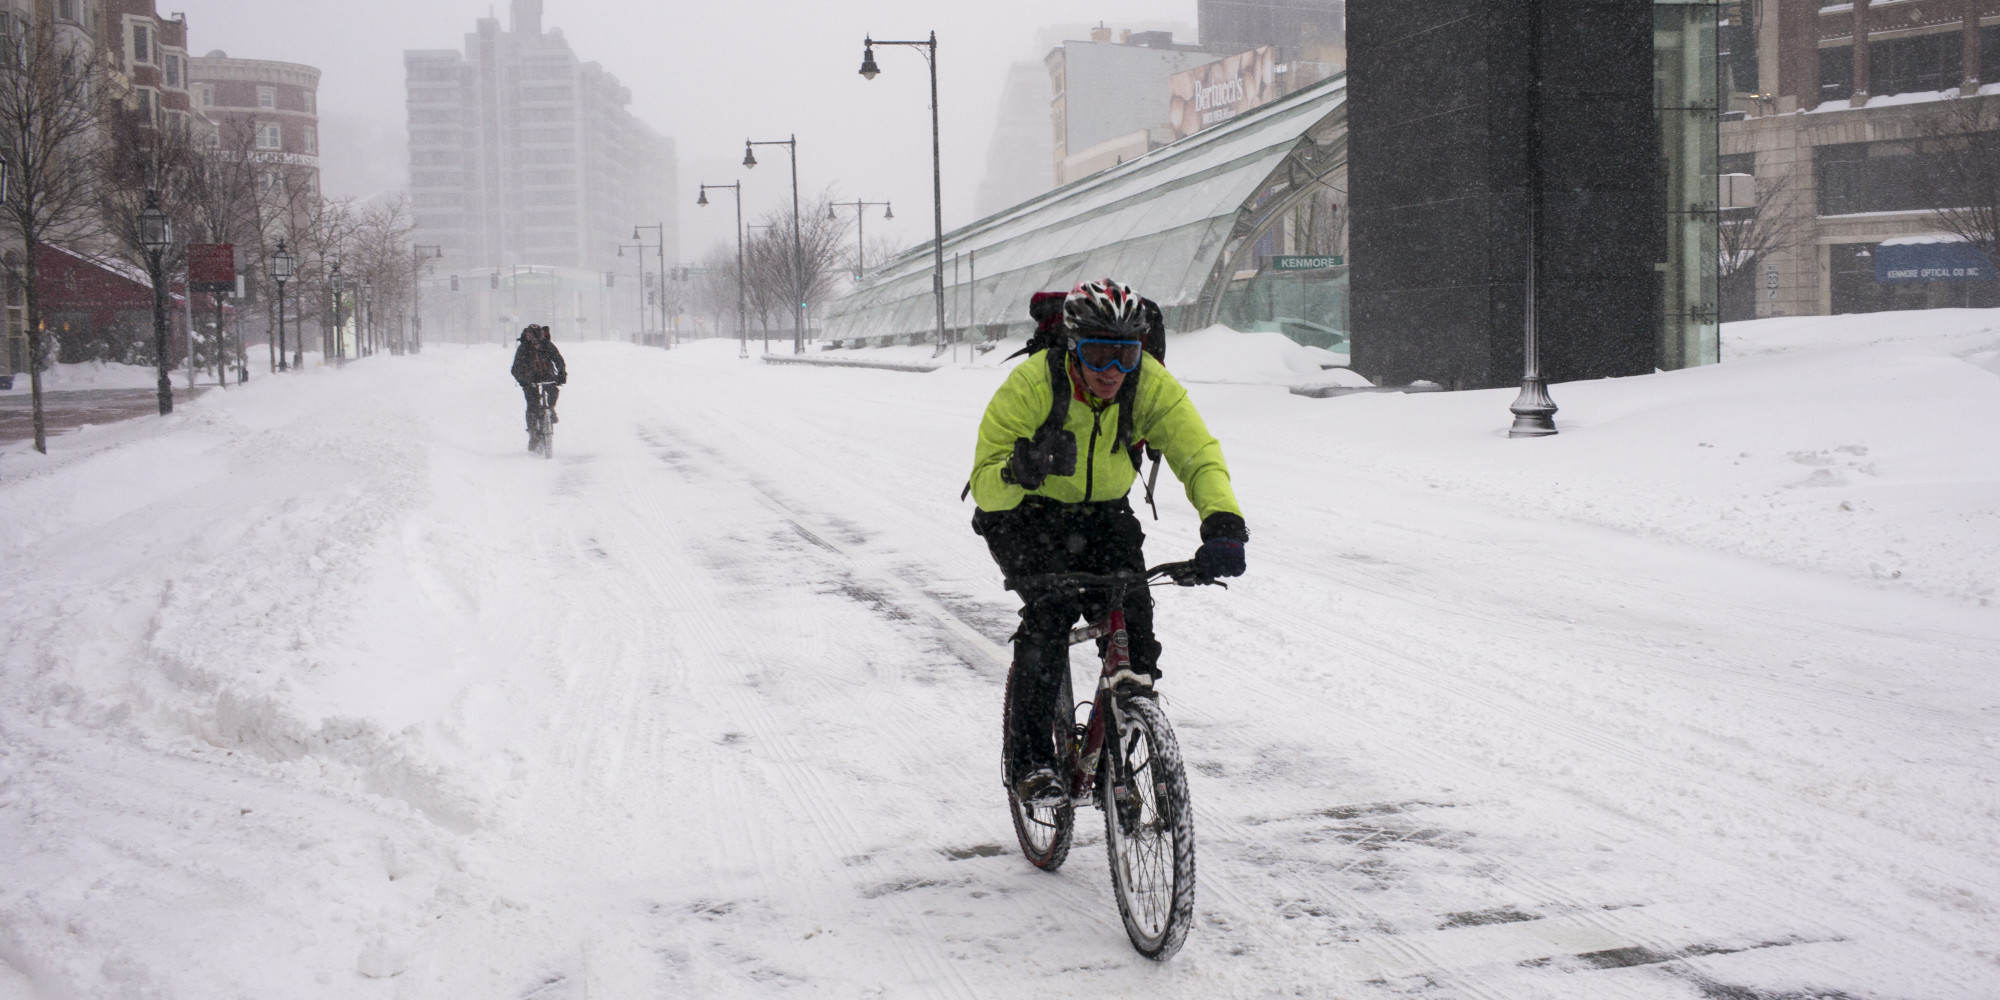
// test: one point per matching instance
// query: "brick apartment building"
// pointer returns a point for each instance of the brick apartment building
(269, 109)
(1827, 101)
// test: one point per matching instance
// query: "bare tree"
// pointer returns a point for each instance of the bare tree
(1961, 143)
(810, 271)
(1749, 236)
(713, 293)
(48, 121)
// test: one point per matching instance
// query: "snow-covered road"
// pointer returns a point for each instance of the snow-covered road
(327, 688)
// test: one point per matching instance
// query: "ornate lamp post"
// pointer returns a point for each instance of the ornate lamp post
(156, 233)
(798, 245)
(860, 233)
(364, 318)
(1534, 412)
(869, 71)
(281, 272)
(337, 348)
(742, 328)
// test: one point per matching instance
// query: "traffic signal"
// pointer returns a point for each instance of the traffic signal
(494, 280)
(611, 279)
(454, 282)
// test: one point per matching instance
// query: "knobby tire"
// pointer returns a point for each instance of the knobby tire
(1149, 828)
(1045, 832)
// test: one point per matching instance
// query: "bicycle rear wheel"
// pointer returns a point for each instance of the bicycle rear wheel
(1045, 831)
(1149, 828)
(545, 433)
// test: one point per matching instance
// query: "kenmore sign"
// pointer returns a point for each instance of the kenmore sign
(1902, 263)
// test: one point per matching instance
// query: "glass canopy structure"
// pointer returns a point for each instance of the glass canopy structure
(1209, 227)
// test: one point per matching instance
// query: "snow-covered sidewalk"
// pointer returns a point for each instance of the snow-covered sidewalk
(326, 687)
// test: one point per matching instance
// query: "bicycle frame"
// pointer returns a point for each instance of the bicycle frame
(1117, 655)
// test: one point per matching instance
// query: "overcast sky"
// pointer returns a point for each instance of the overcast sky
(708, 74)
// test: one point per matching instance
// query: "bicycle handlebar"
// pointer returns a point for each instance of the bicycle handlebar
(1182, 574)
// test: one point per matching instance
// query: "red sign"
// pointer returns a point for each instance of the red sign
(212, 266)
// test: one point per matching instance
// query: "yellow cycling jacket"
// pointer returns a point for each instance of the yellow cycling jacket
(1162, 416)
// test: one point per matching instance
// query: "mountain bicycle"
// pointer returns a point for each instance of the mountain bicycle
(1139, 784)
(542, 433)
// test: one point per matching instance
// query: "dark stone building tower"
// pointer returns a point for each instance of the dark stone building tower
(1488, 136)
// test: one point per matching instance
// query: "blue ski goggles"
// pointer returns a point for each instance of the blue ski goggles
(1097, 355)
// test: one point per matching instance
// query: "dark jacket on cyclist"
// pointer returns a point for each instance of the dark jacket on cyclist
(1082, 521)
(537, 360)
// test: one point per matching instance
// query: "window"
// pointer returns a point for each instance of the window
(66, 10)
(309, 103)
(1873, 177)
(270, 136)
(143, 102)
(268, 180)
(142, 50)
(267, 98)
(312, 141)
(208, 97)
(172, 65)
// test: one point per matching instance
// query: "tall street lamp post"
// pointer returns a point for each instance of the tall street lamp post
(660, 230)
(364, 315)
(156, 233)
(742, 328)
(1534, 412)
(798, 245)
(417, 293)
(281, 272)
(860, 232)
(338, 346)
(640, 288)
(869, 71)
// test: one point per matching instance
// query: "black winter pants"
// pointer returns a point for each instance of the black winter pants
(1047, 537)
(529, 391)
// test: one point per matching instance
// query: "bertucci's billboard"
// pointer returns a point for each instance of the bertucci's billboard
(1209, 94)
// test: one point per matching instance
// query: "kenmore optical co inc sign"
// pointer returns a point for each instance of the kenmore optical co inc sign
(1217, 91)
(1900, 263)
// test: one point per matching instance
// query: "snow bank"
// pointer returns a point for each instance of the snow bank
(94, 375)
(1217, 354)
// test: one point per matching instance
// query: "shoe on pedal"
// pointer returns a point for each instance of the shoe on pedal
(1039, 788)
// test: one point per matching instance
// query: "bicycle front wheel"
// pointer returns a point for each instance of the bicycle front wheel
(1045, 831)
(1149, 828)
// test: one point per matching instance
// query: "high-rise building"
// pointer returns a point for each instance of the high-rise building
(521, 154)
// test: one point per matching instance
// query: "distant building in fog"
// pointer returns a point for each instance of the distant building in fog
(1301, 30)
(521, 154)
(1018, 163)
(1109, 98)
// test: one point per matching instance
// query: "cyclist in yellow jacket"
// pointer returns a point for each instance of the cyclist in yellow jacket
(1058, 452)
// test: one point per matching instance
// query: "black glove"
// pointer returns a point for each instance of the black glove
(1222, 537)
(1048, 454)
(562, 380)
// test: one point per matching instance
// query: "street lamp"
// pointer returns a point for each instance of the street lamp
(638, 289)
(869, 71)
(156, 233)
(661, 230)
(364, 317)
(281, 272)
(417, 292)
(1534, 412)
(336, 348)
(860, 214)
(798, 251)
(742, 328)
